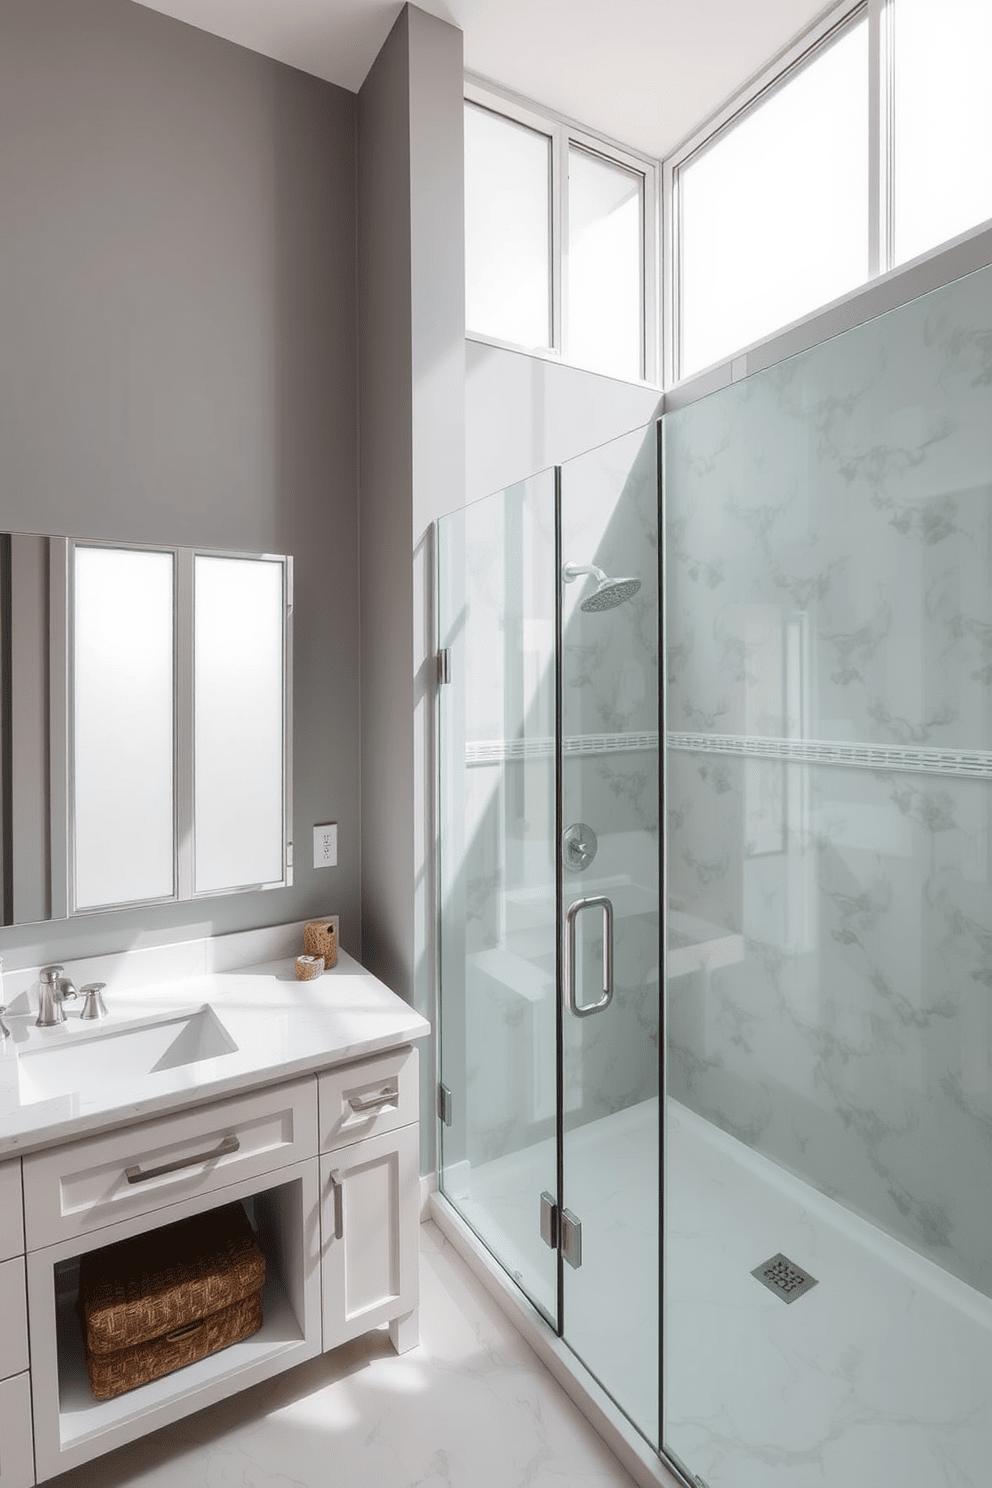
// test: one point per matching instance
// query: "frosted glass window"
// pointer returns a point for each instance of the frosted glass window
(605, 265)
(774, 213)
(123, 729)
(507, 229)
(943, 122)
(238, 660)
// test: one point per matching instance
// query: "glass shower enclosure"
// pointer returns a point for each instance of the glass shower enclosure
(818, 1055)
(549, 872)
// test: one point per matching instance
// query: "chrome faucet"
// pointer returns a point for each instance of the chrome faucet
(55, 990)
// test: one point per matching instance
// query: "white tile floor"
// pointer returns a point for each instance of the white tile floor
(879, 1376)
(470, 1408)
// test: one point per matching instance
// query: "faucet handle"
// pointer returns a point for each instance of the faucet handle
(51, 974)
(94, 1005)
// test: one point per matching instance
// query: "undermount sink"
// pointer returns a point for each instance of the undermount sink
(117, 1054)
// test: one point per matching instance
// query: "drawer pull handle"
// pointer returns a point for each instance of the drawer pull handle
(178, 1333)
(370, 1102)
(142, 1175)
(337, 1188)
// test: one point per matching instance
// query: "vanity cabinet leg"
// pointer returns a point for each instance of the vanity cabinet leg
(404, 1332)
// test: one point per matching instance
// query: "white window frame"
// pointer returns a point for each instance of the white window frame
(564, 132)
(776, 74)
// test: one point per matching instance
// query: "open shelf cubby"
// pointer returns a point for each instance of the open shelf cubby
(72, 1426)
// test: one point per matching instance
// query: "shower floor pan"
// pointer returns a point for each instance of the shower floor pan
(878, 1375)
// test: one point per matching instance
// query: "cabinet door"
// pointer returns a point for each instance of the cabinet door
(369, 1215)
(16, 1451)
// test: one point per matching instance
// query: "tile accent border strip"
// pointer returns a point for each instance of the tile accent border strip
(971, 763)
(496, 751)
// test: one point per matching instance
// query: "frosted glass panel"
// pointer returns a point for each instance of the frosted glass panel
(943, 154)
(605, 236)
(507, 229)
(774, 214)
(238, 647)
(123, 812)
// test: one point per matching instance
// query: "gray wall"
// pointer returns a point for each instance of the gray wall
(411, 330)
(177, 359)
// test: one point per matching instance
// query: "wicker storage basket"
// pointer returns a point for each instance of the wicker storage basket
(321, 939)
(161, 1300)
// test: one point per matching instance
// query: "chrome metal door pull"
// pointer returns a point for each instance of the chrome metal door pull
(142, 1175)
(371, 1102)
(598, 901)
(337, 1190)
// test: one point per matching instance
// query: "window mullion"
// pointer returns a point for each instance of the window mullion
(559, 239)
(881, 133)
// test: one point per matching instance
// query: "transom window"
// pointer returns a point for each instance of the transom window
(560, 244)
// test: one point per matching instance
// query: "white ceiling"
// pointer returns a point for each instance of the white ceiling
(644, 71)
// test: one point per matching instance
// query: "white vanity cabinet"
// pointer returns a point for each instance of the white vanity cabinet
(370, 1199)
(260, 1148)
(16, 1451)
(310, 1120)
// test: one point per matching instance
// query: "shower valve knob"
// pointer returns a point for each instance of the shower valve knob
(579, 844)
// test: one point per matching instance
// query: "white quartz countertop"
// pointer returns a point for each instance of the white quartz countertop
(280, 1028)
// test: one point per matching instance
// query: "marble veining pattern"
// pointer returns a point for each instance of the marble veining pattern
(830, 804)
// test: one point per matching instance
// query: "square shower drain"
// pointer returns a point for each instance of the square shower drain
(784, 1278)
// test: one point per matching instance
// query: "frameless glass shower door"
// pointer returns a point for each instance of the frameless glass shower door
(549, 898)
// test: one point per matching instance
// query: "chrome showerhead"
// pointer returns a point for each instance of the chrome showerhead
(608, 592)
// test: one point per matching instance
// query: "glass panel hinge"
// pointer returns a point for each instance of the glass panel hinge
(444, 1104)
(549, 1221)
(443, 666)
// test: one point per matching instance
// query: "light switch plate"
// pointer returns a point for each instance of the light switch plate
(325, 845)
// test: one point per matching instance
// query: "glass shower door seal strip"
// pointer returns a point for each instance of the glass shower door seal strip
(971, 763)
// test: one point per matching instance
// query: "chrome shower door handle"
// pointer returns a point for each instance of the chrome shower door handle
(597, 901)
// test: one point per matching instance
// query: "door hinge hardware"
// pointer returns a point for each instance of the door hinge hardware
(443, 666)
(549, 1220)
(571, 1239)
(444, 1104)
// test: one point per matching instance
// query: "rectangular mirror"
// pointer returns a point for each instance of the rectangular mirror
(145, 725)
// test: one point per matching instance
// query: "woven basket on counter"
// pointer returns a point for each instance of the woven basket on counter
(164, 1299)
(321, 939)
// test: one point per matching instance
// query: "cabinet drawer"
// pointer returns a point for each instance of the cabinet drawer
(11, 1210)
(16, 1448)
(74, 1189)
(361, 1100)
(14, 1316)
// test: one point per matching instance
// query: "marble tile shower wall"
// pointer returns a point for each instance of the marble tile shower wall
(830, 580)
